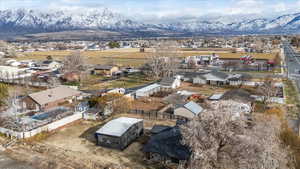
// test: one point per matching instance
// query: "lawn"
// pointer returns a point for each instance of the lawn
(131, 56)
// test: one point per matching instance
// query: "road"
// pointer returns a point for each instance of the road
(292, 61)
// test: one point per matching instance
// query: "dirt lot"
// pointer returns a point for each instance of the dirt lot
(74, 147)
(132, 57)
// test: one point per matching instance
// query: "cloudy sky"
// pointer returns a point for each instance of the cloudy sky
(167, 8)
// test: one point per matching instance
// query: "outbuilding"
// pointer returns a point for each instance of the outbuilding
(119, 133)
(148, 90)
(188, 110)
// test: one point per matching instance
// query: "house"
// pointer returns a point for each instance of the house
(119, 133)
(199, 80)
(51, 65)
(188, 110)
(216, 78)
(170, 82)
(148, 90)
(167, 146)
(105, 70)
(51, 98)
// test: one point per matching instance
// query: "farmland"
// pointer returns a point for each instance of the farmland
(132, 56)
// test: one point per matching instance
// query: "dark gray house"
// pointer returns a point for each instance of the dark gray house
(166, 146)
(119, 133)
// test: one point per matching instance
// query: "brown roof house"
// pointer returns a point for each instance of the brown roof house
(50, 98)
(105, 70)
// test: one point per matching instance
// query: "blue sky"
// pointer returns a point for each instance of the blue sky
(167, 8)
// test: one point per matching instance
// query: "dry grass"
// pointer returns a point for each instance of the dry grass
(131, 56)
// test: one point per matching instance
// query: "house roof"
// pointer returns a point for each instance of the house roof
(52, 95)
(103, 67)
(193, 107)
(176, 99)
(218, 74)
(117, 127)
(168, 143)
(167, 81)
(159, 128)
(149, 88)
(216, 96)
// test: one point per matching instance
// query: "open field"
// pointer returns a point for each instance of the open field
(131, 56)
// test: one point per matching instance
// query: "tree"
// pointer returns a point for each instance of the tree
(113, 44)
(222, 138)
(267, 89)
(73, 63)
(162, 62)
(3, 94)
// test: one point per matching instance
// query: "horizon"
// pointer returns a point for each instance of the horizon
(166, 9)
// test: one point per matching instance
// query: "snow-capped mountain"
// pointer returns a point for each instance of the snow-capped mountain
(24, 21)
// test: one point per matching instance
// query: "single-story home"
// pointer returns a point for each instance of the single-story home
(50, 98)
(188, 110)
(148, 90)
(105, 70)
(119, 133)
(170, 82)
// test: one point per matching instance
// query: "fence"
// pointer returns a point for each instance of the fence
(48, 127)
(155, 115)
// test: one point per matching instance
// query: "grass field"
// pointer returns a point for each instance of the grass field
(131, 56)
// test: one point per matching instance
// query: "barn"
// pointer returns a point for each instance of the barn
(119, 133)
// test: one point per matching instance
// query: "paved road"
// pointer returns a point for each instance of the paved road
(8, 163)
(292, 60)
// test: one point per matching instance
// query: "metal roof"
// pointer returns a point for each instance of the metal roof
(148, 88)
(117, 127)
(193, 107)
(216, 96)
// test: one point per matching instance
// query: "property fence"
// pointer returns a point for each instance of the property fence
(155, 115)
(48, 127)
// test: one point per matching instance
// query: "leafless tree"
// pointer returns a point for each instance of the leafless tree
(74, 62)
(267, 89)
(221, 138)
(163, 61)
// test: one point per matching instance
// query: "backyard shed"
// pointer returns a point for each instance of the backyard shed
(189, 110)
(119, 133)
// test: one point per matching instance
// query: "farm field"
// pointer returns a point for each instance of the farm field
(132, 56)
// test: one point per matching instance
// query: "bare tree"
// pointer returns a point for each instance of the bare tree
(267, 89)
(74, 62)
(221, 138)
(163, 61)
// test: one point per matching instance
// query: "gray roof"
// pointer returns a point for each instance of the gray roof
(216, 96)
(149, 88)
(103, 67)
(167, 81)
(219, 74)
(52, 95)
(193, 107)
(117, 127)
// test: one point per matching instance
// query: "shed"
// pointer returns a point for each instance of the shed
(170, 82)
(217, 96)
(105, 70)
(189, 110)
(119, 133)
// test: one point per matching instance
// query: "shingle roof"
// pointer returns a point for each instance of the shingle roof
(167, 81)
(219, 74)
(52, 95)
(168, 143)
(193, 107)
(103, 67)
(117, 127)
